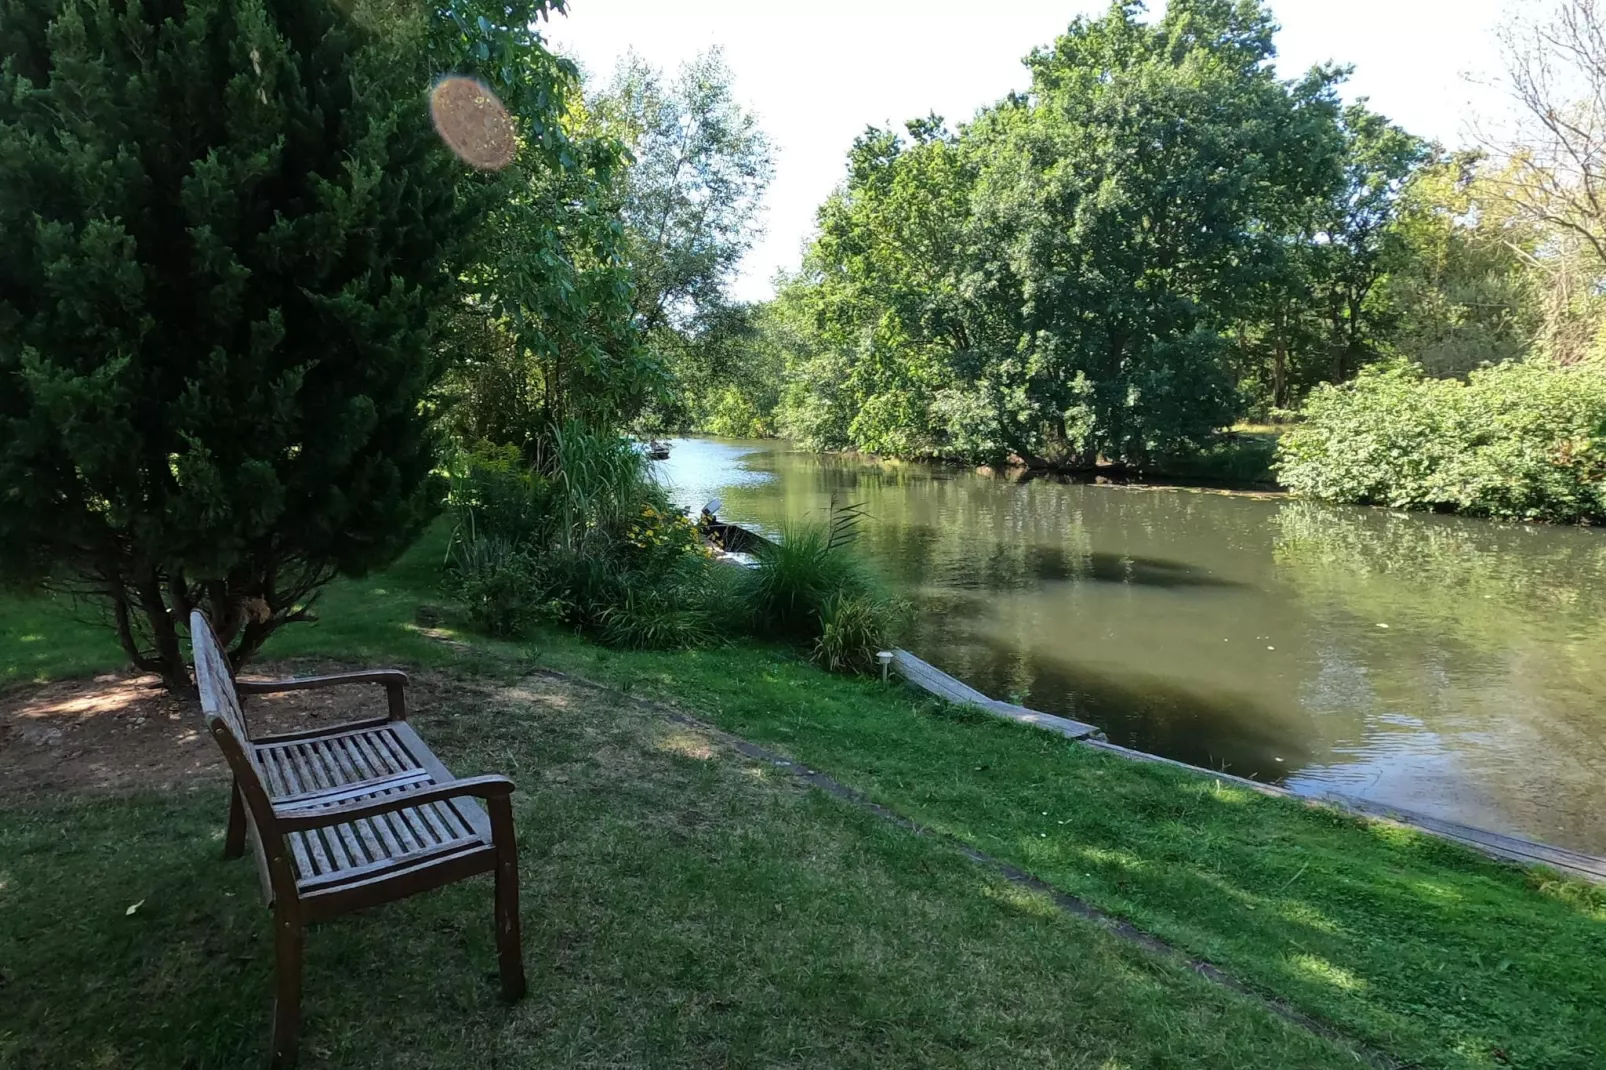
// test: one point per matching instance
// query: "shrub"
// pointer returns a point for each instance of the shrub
(1523, 441)
(809, 589)
(674, 611)
(852, 629)
(593, 543)
(1235, 457)
(585, 537)
(496, 494)
(797, 578)
(496, 583)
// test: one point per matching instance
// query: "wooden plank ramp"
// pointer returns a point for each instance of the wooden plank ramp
(934, 681)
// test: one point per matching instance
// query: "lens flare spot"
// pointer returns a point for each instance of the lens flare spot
(473, 123)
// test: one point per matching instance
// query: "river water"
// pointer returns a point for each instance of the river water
(1450, 666)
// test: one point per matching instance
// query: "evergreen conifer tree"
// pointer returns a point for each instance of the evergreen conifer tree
(227, 236)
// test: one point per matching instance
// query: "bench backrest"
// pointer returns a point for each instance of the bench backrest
(226, 721)
(215, 679)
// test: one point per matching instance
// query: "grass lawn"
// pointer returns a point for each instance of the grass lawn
(1409, 944)
(683, 907)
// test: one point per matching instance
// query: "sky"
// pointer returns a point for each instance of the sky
(817, 74)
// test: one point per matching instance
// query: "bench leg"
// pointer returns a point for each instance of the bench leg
(288, 938)
(509, 941)
(234, 839)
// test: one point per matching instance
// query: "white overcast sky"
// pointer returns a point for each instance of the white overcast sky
(817, 74)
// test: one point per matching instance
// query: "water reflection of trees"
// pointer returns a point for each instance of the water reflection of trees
(1476, 581)
(1114, 606)
(1496, 647)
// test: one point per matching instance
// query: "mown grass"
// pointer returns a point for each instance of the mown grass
(1413, 945)
(682, 908)
(1439, 956)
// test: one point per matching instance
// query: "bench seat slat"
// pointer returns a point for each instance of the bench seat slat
(383, 865)
(375, 834)
(355, 790)
(342, 847)
(351, 766)
(310, 856)
(358, 839)
(397, 836)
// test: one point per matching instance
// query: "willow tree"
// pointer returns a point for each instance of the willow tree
(229, 237)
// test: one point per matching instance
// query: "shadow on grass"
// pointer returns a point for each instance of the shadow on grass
(679, 913)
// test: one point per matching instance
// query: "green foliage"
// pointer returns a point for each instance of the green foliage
(231, 241)
(797, 577)
(1320, 313)
(1059, 280)
(1237, 458)
(810, 590)
(595, 545)
(689, 205)
(1462, 291)
(675, 612)
(495, 494)
(549, 337)
(1518, 441)
(590, 542)
(496, 583)
(853, 628)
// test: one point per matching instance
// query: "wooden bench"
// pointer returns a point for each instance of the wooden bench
(350, 816)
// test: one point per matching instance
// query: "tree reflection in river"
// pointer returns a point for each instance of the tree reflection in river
(1448, 665)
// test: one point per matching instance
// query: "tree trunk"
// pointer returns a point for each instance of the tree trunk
(169, 662)
(1279, 365)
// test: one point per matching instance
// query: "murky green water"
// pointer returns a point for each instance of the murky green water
(1455, 667)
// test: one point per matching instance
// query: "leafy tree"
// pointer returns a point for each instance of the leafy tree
(1463, 289)
(890, 259)
(689, 204)
(545, 336)
(1356, 243)
(1060, 279)
(701, 165)
(1316, 316)
(230, 241)
(1140, 196)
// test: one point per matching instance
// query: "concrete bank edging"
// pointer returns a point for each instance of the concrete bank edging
(1496, 845)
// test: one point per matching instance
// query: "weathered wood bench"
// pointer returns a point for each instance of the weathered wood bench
(349, 816)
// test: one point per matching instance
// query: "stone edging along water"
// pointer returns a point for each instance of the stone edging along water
(934, 681)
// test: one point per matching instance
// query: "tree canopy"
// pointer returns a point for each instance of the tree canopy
(233, 248)
(1084, 270)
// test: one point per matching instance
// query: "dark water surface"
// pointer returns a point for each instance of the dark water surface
(1456, 667)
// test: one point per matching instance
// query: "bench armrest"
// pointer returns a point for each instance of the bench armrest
(394, 682)
(304, 818)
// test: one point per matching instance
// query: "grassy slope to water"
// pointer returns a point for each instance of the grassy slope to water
(1414, 945)
(682, 908)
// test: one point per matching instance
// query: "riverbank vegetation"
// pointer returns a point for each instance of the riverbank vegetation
(1518, 441)
(1165, 235)
(1405, 943)
(388, 307)
(588, 540)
